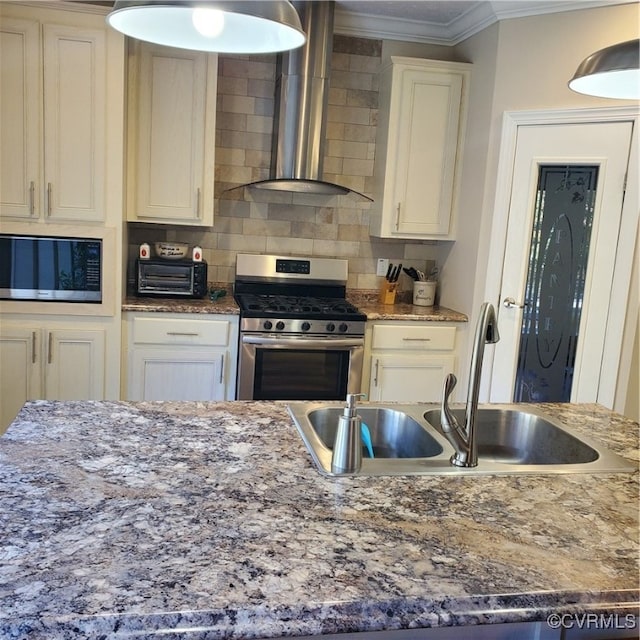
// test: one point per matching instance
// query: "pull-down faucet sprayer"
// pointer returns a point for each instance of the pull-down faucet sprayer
(463, 437)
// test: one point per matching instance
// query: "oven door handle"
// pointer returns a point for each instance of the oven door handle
(303, 342)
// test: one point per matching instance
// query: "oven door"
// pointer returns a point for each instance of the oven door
(276, 367)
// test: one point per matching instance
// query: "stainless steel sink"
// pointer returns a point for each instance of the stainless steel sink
(394, 434)
(407, 440)
(509, 436)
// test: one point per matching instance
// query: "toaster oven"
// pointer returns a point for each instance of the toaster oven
(162, 277)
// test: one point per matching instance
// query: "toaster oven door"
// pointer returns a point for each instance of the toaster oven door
(164, 279)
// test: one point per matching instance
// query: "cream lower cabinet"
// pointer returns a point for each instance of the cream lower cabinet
(50, 362)
(181, 357)
(408, 361)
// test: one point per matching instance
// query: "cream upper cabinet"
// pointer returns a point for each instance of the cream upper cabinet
(418, 148)
(171, 135)
(54, 115)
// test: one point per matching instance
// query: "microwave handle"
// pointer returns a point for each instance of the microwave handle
(304, 342)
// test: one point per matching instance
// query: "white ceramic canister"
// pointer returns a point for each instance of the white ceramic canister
(424, 293)
(144, 251)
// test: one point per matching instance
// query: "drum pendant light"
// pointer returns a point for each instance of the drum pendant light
(232, 26)
(613, 72)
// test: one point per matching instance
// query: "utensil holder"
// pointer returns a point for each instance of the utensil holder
(424, 293)
(388, 292)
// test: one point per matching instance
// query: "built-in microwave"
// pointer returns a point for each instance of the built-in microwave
(46, 268)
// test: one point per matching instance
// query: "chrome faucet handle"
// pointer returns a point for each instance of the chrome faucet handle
(447, 419)
(457, 435)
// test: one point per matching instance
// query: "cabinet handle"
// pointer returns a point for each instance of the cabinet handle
(198, 202)
(50, 349)
(33, 344)
(221, 368)
(32, 200)
(49, 189)
(416, 339)
(375, 375)
(181, 333)
(398, 216)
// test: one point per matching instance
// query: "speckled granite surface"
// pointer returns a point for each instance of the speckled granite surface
(125, 519)
(410, 312)
(227, 305)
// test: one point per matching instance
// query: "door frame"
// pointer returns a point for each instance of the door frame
(616, 363)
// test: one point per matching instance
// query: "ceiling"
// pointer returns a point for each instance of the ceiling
(444, 22)
(441, 21)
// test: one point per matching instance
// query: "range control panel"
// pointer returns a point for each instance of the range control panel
(293, 266)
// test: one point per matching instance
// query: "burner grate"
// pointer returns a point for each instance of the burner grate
(296, 306)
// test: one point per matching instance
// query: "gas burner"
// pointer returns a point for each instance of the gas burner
(296, 306)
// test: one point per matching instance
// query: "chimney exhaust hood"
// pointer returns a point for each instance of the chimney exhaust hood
(302, 89)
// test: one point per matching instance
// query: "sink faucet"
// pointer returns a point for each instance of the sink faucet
(463, 437)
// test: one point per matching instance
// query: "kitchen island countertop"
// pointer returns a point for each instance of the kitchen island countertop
(129, 520)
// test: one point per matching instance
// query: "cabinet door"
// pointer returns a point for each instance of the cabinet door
(20, 367)
(426, 161)
(75, 362)
(173, 178)
(20, 104)
(74, 122)
(418, 148)
(396, 378)
(176, 374)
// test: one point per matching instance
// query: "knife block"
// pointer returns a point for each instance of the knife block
(388, 292)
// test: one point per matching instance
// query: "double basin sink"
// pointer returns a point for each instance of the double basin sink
(408, 440)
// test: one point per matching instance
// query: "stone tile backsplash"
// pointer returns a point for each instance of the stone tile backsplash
(252, 221)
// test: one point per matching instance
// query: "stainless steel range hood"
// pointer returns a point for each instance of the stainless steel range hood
(302, 89)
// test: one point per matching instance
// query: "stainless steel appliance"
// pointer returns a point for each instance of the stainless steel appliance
(50, 269)
(300, 339)
(165, 277)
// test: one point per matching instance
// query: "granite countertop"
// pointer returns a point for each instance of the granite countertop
(130, 519)
(225, 305)
(366, 303)
(410, 312)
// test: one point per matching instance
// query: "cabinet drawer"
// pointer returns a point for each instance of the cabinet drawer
(413, 338)
(180, 331)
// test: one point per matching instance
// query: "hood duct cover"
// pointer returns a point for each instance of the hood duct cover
(302, 89)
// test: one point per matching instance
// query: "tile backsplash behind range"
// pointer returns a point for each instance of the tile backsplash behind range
(253, 221)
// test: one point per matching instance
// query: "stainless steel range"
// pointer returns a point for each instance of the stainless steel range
(300, 339)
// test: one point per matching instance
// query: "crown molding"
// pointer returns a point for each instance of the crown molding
(479, 17)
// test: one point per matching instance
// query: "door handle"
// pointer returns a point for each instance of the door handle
(510, 303)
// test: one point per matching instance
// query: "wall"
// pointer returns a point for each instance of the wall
(249, 220)
(519, 64)
(532, 59)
